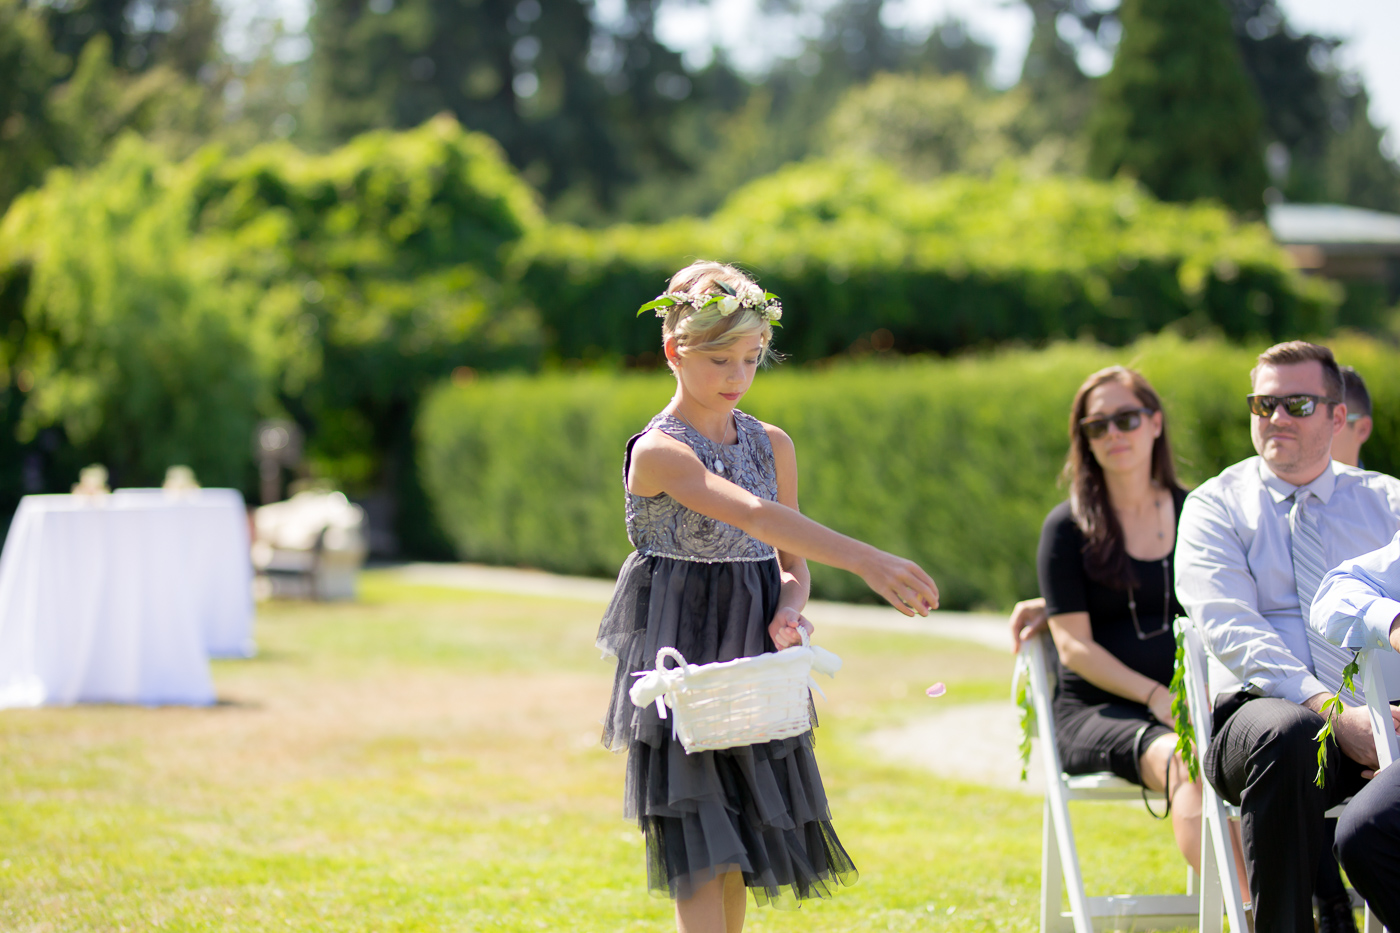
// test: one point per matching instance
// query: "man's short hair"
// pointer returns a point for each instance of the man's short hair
(1357, 398)
(1300, 351)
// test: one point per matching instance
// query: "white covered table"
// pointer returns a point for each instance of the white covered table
(123, 598)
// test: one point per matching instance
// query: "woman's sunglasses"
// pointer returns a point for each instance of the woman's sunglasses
(1124, 421)
(1297, 406)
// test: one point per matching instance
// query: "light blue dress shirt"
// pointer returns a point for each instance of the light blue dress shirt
(1354, 607)
(1234, 567)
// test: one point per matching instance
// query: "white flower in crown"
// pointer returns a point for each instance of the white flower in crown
(774, 312)
(727, 305)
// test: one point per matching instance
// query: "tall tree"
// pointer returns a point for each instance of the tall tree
(1059, 91)
(1330, 149)
(1177, 110)
(66, 94)
(575, 106)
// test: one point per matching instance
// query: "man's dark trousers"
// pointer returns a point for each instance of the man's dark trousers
(1368, 844)
(1263, 758)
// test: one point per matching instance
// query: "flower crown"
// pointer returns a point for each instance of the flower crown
(727, 302)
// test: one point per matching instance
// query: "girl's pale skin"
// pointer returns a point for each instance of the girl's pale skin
(708, 387)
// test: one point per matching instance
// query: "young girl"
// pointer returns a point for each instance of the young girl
(720, 573)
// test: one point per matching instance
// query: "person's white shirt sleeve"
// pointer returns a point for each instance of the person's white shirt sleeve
(1355, 604)
(1217, 590)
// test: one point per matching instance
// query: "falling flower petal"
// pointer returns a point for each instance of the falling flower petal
(937, 690)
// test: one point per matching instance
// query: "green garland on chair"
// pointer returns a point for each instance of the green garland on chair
(1021, 681)
(1331, 709)
(1181, 710)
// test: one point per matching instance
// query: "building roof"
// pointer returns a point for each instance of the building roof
(1324, 224)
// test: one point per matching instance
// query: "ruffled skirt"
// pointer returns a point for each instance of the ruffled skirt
(757, 809)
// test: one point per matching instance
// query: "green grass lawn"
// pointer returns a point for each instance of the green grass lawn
(428, 760)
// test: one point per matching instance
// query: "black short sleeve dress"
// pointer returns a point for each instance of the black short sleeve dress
(710, 590)
(1097, 730)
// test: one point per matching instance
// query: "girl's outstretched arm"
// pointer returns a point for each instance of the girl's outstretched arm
(661, 463)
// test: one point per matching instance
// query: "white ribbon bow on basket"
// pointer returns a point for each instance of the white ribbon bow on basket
(739, 702)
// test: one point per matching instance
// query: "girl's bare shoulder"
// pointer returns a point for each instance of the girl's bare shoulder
(782, 444)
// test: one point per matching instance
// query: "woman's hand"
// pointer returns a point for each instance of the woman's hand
(902, 583)
(1028, 619)
(787, 627)
(1160, 705)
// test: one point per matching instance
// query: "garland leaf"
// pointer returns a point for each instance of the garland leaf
(1023, 701)
(1331, 709)
(1181, 710)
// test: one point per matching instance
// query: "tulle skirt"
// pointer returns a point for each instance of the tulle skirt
(758, 809)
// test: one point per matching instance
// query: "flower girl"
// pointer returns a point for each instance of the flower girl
(720, 572)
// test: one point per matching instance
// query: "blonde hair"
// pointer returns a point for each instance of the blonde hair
(707, 329)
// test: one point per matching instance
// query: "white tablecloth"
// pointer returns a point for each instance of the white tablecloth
(123, 598)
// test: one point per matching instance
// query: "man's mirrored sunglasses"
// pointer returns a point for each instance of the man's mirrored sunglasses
(1124, 421)
(1297, 406)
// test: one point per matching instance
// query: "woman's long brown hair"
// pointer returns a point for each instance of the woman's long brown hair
(1105, 558)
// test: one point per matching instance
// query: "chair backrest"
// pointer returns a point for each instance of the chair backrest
(1039, 656)
(1197, 691)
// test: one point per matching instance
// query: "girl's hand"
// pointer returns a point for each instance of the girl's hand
(787, 627)
(903, 583)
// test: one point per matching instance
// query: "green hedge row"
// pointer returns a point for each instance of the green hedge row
(952, 463)
(943, 265)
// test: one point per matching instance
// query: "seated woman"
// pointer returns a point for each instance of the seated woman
(1105, 568)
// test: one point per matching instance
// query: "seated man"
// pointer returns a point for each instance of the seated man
(1357, 607)
(1346, 446)
(1254, 543)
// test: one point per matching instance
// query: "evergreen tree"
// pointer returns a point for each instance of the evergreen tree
(1060, 93)
(1177, 110)
(1316, 113)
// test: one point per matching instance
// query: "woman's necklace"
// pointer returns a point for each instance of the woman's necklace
(718, 463)
(1166, 589)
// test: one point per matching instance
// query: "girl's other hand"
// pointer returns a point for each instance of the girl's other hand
(787, 627)
(903, 583)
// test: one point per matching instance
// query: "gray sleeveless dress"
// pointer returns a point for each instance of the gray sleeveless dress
(710, 590)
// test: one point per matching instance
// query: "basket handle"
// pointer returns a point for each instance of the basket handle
(674, 655)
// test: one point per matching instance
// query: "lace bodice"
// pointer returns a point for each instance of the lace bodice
(662, 527)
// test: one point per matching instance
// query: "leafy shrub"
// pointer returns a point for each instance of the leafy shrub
(161, 308)
(945, 265)
(121, 331)
(952, 463)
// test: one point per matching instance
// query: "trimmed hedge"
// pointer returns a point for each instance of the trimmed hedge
(952, 463)
(944, 265)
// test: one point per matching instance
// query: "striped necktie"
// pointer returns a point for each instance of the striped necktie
(1309, 567)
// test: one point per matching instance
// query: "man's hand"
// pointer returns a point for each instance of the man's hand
(1028, 619)
(1353, 732)
(1395, 633)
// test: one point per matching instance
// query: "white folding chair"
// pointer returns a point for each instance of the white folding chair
(1059, 859)
(1220, 887)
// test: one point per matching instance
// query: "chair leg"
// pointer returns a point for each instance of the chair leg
(1216, 838)
(1212, 918)
(1051, 876)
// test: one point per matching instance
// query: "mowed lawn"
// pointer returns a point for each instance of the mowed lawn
(428, 760)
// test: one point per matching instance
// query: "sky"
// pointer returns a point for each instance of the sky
(1370, 30)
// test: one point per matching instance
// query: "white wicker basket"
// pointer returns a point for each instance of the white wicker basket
(738, 702)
